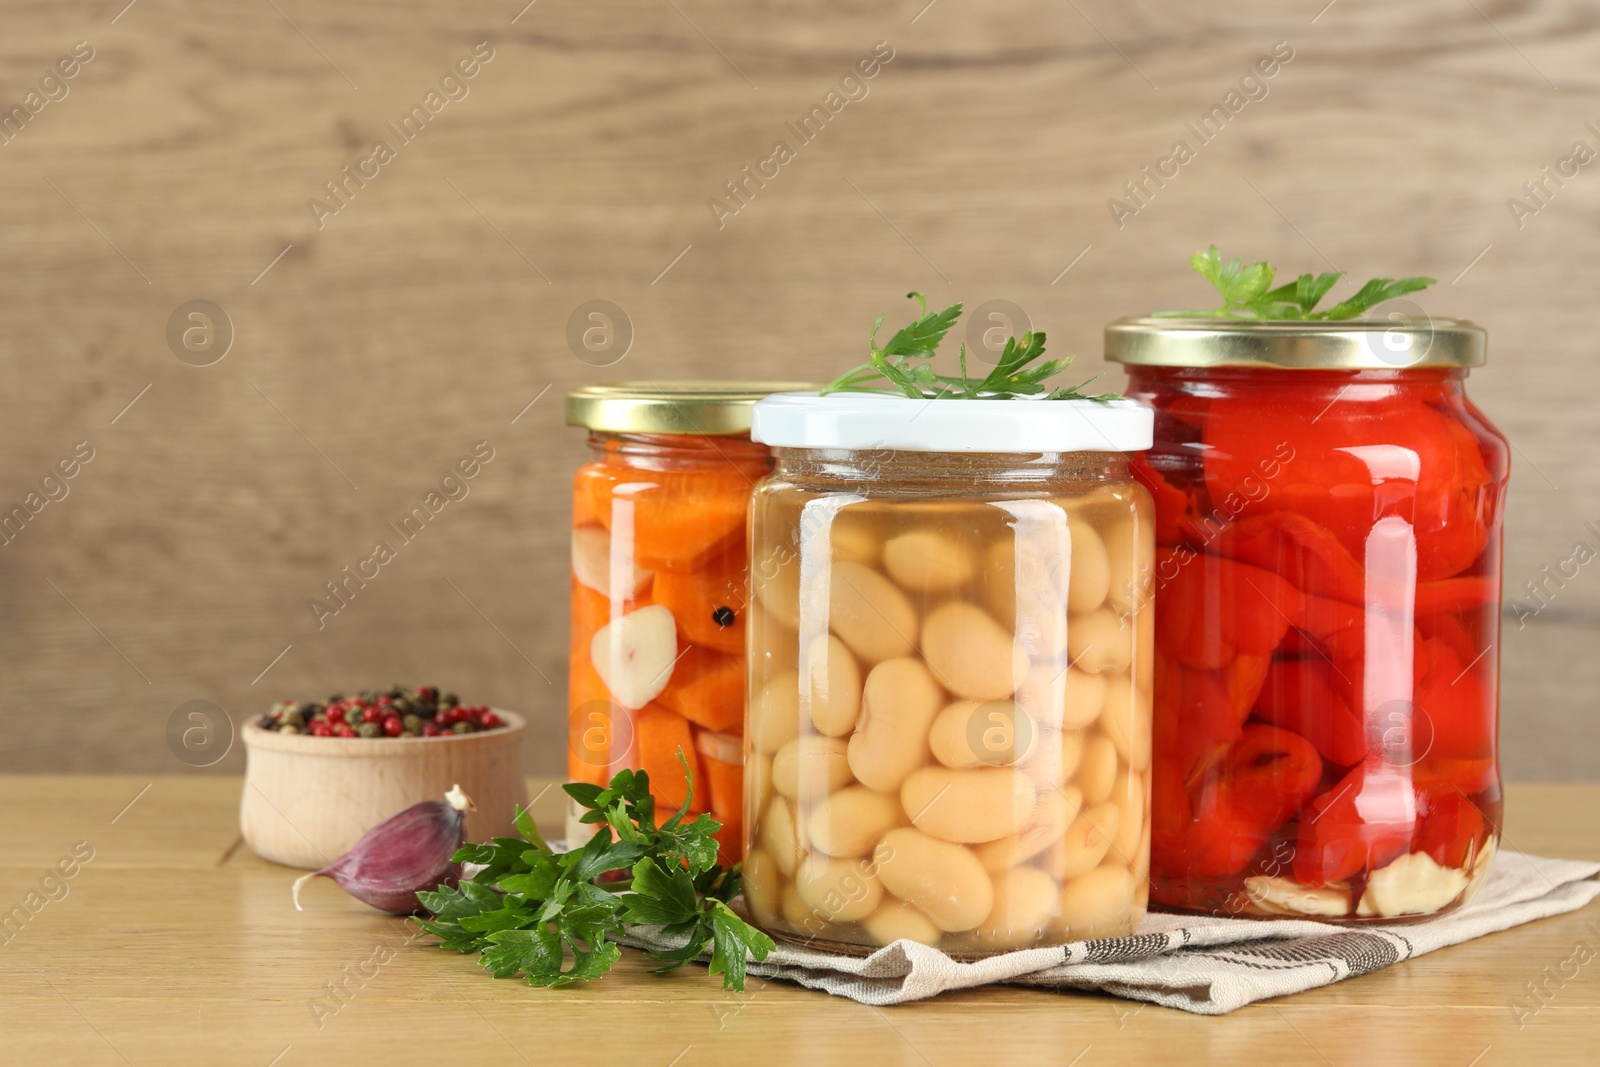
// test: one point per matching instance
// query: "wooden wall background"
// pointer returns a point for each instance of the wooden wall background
(432, 309)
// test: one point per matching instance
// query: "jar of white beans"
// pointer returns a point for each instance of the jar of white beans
(948, 731)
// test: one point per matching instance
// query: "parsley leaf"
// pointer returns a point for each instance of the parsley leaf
(905, 364)
(552, 918)
(1247, 292)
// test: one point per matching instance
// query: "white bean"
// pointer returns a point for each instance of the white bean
(761, 885)
(898, 704)
(968, 806)
(924, 561)
(994, 733)
(811, 766)
(1052, 814)
(853, 539)
(1085, 843)
(1024, 900)
(776, 580)
(851, 821)
(1098, 903)
(971, 654)
(944, 880)
(1130, 554)
(1128, 793)
(780, 836)
(895, 920)
(833, 697)
(1089, 577)
(869, 614)
(1126, 721)
(757, 783)
(840, 890)
(1062, 696)
(774, 715)
(1098, 769)
(1098, 641)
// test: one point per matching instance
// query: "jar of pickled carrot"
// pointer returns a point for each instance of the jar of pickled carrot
(660, 592)
(1327, 590)
(948, 737)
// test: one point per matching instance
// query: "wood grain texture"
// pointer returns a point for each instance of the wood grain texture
(432, 309)
(173, 945)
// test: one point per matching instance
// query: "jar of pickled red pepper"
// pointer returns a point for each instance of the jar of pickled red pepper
(660, 591)
(948, 738)
(1327, 592)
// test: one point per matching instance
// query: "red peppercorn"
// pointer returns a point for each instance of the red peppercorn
(336, 713)
(321, 729)
(488, 720)
(371, 714)
(344, 729)
(430, 730)
(393, 726)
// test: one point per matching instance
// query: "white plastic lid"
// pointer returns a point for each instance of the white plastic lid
(882, 420)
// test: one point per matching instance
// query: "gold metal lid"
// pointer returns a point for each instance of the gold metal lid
(1400, 343)
(716, 408)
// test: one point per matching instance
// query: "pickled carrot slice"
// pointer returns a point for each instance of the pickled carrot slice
(678, 520)
(698, 599)
(678, 534)
(708, 689)
(662, 736)
(725, 785)
(730, 839)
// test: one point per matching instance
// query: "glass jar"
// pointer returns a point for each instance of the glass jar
(948, 736)
(1327, 589)
(660, 591)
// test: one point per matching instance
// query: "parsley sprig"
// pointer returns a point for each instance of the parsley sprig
(905, 364)
(1247, 292)
(546, 915)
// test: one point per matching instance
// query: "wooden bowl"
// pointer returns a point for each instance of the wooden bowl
(308, 799)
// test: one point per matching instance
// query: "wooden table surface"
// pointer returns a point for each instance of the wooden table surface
(175, 945)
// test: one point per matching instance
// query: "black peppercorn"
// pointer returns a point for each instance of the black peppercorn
(723, 616)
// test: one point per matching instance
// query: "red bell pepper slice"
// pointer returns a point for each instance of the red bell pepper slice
(1456, 595)
(1354, 461)
(1197, 720)
(1212, 609)
(1458, 704)
(1306, 554)
(1450, 825)
(1361, 824)
(1175, 509)
(1267, 776)
(1304, 695)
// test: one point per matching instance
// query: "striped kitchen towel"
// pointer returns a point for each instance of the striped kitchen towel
(1197, 964)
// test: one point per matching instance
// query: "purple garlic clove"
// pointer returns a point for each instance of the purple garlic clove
(401, 855)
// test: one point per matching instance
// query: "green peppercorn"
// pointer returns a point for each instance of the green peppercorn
(449, 700)
(410, 733)
(292, 717)
(462, 727)
(412, 723)
(369, 729)
(288, 728)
